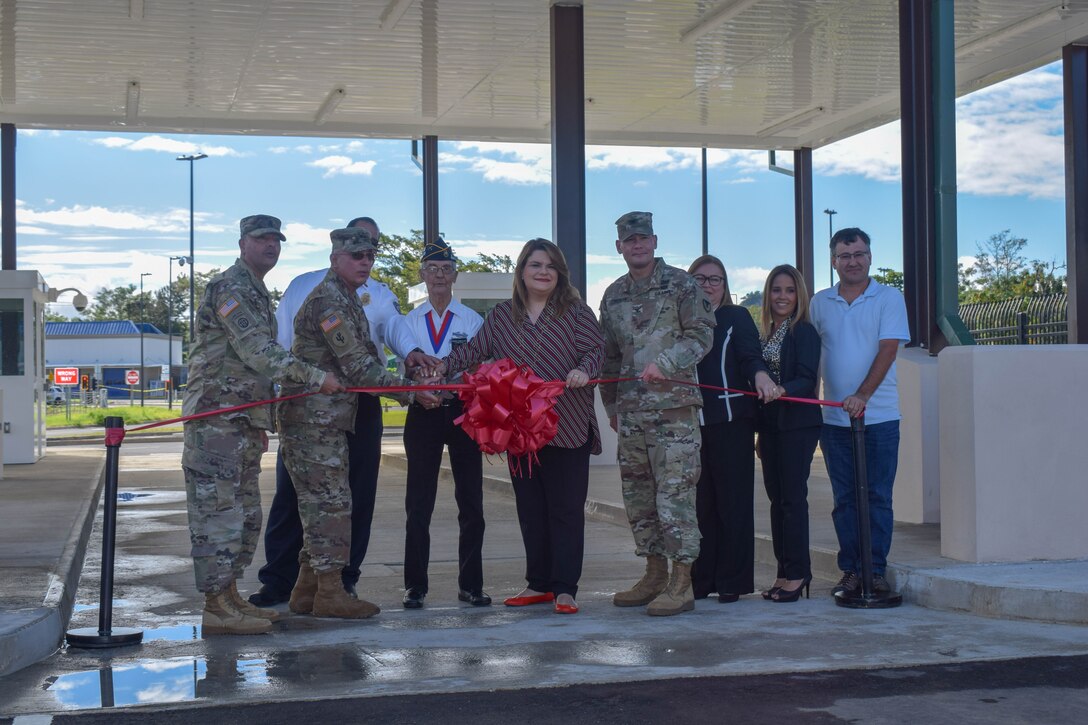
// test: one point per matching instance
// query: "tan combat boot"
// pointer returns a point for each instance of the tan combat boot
(333, 601)
(302, 596)
(222, 617)
(250, 609)
(677, 597)
(652, 583)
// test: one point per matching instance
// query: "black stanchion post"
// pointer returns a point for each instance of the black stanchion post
(106, 635)
(866, 598)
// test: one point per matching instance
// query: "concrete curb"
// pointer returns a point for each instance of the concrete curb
(31, 635)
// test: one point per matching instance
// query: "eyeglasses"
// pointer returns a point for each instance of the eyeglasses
(358, 256)
(713, 281)
(435, 270)
(856, 256)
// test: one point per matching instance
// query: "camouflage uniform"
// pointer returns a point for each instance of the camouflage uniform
(331, 330)
(663, 319)
(234, 360)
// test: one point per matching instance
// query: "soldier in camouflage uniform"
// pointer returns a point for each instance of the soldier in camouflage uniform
(331, 330)
(657, 325)
(235, 360)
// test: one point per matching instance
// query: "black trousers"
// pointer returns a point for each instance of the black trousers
(724, 497)
(283, 531)
(551, 503)
(786, 456)
(426, 433)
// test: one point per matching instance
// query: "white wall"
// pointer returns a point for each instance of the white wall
(112, 351)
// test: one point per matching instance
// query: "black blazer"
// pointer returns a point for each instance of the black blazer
(733, 361)
(800, 370)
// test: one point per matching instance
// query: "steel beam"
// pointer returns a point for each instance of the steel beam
(1075, 69)
(569, 139)
(802, 217)
(431, 230)
(7, 195)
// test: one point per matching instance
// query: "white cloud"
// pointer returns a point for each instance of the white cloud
(278, 149)
(163, 144)
(33, 231)
(742, 180)
(343, 165)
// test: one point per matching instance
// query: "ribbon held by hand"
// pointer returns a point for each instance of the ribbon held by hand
(508, 408)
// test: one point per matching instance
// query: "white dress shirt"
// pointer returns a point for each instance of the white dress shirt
(407, 332)
(379, 303)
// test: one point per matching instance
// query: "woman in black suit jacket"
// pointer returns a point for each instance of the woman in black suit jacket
(789, 432)
(724, 493)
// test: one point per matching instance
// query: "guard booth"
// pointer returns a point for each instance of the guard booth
(23, 295)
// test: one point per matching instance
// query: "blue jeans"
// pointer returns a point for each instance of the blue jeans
(881, 458)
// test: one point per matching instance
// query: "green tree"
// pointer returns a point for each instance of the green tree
(889, 277)
(752, 299)
(1002, 271)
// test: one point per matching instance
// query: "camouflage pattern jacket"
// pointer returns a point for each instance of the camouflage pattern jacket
(331, 331)
(664, 319)
(235, 358)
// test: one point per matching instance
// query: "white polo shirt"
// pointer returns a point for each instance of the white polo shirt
(850, 334)
(379, 303)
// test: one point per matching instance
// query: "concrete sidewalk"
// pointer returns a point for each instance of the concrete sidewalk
(48, 515)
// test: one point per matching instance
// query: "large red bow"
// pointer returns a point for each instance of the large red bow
(508, 408)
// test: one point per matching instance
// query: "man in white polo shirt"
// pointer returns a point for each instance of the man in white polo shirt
(861, 323)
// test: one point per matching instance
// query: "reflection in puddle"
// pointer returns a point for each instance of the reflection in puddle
(172, 680)
(179, 633)
(117, 604)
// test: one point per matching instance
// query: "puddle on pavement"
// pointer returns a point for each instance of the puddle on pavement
(173, 680)
(130, 496)
(117, 604)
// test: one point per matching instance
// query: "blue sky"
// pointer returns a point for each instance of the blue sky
(97, 209)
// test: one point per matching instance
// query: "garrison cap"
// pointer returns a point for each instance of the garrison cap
(634, 222)
(259, 225)
(352, 239)
(438, 251)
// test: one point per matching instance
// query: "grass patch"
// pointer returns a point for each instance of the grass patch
(135, 415)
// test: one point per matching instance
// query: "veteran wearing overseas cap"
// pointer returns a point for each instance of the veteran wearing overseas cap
(283, 534)
(331, 330)
(434, 328)
(658, 325)
(235, 359)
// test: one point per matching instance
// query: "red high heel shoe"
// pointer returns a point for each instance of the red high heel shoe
(526, 600)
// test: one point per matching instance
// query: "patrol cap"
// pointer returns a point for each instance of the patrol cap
(352, 239)
(437, 251)
(259, 225)
(634, 222)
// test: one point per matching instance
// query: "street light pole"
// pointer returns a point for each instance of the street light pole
(191, 158)
(170, 331)
(143, 321)
(830, 233)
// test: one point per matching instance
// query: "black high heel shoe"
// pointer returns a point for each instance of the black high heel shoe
(784, 595)
(769, 593)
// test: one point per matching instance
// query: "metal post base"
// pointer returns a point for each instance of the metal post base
(94, 638)
(876, 600)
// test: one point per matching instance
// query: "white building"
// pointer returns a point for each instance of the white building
(107, 350)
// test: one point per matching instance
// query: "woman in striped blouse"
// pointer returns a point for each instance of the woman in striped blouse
(548, 327)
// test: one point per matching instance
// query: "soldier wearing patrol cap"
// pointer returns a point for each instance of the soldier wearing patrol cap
(658, 325)
(235, 359)
(283, 534)
(331, 330)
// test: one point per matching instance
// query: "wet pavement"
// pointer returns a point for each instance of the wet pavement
(449, 647)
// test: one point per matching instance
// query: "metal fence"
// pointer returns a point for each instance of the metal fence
(1019, 321)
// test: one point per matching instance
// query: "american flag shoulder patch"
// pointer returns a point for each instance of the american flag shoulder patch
(228, 307)
(330, 323)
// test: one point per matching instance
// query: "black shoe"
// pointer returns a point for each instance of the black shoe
(850, 584)
(477, 597)
(728, 598)
(413, 599)
(350, 589)
(268, 597)
(880, 584)
(792, 595)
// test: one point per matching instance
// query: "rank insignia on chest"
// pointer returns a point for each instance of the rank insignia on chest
(228, 307)
(364, 298)
(330, 323)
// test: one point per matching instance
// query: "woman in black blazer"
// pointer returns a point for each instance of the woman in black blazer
(724, 493)
(789, 432)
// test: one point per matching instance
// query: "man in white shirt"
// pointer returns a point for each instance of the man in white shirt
(861, 323)
(283, 532)
(433, 329)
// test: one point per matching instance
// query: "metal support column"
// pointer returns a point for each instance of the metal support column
(431, 230)
(706, 209)
(1075, 69)
(802, 216)
(927, 95)
(569, 139)
(7, 194)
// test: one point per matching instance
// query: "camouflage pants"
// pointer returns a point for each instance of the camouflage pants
(317, 459)
(659, 465)
(221, 461)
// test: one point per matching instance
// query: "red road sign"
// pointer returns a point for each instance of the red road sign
(132, 377)
(66, 376)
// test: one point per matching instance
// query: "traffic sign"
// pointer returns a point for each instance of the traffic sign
(66, 376)
(132, 377)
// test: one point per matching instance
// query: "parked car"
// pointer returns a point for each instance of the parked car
(55, 395)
